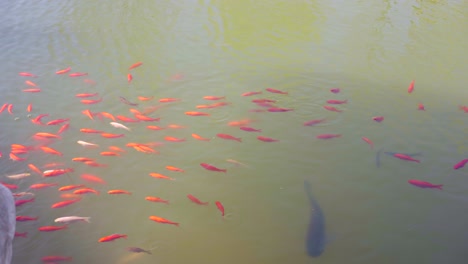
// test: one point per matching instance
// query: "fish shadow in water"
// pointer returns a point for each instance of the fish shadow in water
(315, 237)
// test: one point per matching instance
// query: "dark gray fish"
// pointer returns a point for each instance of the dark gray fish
(138, 250)
(315, 238)
(377, 158)
(125, 101)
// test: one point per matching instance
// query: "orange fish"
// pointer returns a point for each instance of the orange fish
(136, 64)
(85, 95)
(94, 164)
(119, 192)
(51, 151)
(146, 118)
(85, 190)
(51, 228)
(213, 98)
(65, 203)
(63, 71)
(129, 78)
(10, 109)
(70, 187)
(174, 126)
(46, 135)
(27, 74)
(109, 153)
(243, 122)
(35, 169)
(92, 178)
(193, 113)
(126, 119)
(172, 168)
(32, 90)
(111, 237)
(251, 93)
(116, 149)
(155, 127)
(174, 139)
(4, 106)
(56, 172)
(162, 220)
(63, 128)
(411, 87)
(145, 149)
(160, 176)
(89, 81)
(57, 121)
(143, 98)
(16, 158)
(108, 115)
(110, 135)
(77, 74)
(198, 137)
(30, 83)
(82, 159)
(42, 185)
(86, 101)
(228, 137)
(271, 90)
(168, 100)
(88, 113)
(156, 199)
(70, 196)
(90, 130)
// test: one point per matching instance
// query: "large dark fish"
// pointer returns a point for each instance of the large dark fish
(125, 101)
(315, 239)
(138, 250)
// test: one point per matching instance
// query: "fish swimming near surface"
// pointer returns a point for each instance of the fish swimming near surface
(315, 239)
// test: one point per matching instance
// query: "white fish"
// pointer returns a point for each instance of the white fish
(236, 162)
(19, 176)
(71, 219)
(87, 144)
(23, 194)
(118, 125)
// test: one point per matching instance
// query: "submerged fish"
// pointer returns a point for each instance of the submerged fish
(138, 250)
(315, 239)
(125, 101)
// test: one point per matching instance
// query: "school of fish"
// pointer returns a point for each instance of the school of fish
(52, 128)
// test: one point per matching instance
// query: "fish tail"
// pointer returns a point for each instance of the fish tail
(224, 170)
(439, 186)
(87, 219)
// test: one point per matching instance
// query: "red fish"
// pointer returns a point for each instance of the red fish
(109, 153)
(251, 93)
(21, 202)
(460, 164)
(57, 172)
(70, 187)
(63, 128)
(127, 119)
(212, 168)
(63, 71)
(405, 157)
(313, 122)
(198, 137)
(146, 118)
(45, 135)
(112, 237)
(267, 139)
(328, 136)
(411, 87)
(21, 218)
(24, 234)
(119, 192)
(279, 109)
(261, 101)
(368, 141)
(4, 106)
(85, 191)
(162, 220)
(168, 100)
(337, 101)
(145, 98)
(65, 203)
(86, 95)
(174, 139)
(35, 169)
(228, 137)
(378, 118)
(51, 228)
(271, 90)
(10, 109)
(32, 90)
(220, 207)
(331, 108)
(42, 185)
(335, 90)
(30, 83)
(135, 65)
(250, 129)
(424, 184)
(196, 200)
(421, 107)
(77, 74)
(29, 108)
(129, 77)
(51, 151)
(90, 130)
(55, 259)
